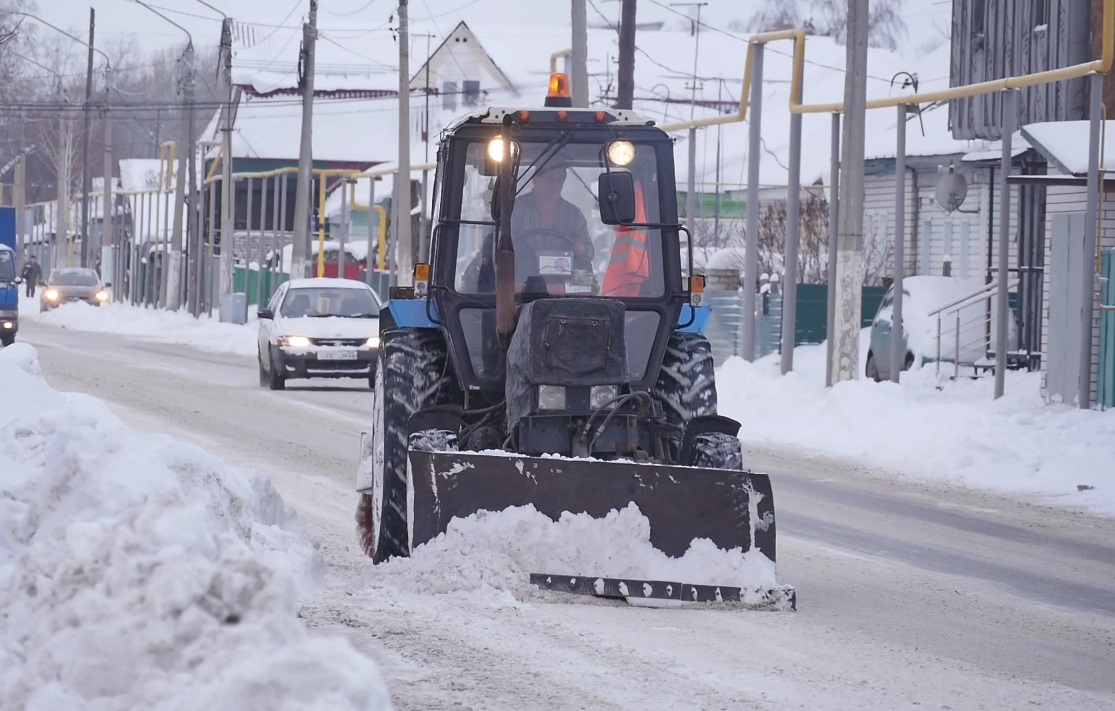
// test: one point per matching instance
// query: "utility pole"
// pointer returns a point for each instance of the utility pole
(625, 91)
(227, 227)
(107, 205)
(579, 56)
(849, 254)
(695, 32)
(65, 140)
(20, 201)
(305, 153)
(174, 261)
(85, 146)
(403, 238)
(193, 204)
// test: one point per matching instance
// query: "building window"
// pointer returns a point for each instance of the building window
(472, 92)
(449, 95)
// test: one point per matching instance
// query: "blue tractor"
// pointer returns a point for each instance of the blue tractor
(549, 352)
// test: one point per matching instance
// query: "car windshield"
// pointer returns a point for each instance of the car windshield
(561, 244)
(74, 277)
(322, 302)
(7, 265)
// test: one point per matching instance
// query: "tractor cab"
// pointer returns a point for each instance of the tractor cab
(591, 209)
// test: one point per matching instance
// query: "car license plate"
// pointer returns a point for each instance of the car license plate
(336, 355)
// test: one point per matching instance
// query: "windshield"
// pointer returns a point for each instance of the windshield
(561, 245)
(74, 277)
(7, 265)
(321, 302)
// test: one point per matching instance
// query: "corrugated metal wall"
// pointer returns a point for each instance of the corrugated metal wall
(994, 39)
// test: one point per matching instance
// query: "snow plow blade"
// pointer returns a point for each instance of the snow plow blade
(779, 597)
(733, 509)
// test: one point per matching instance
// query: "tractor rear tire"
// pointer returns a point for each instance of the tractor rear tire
(687, 380)
(413, 373)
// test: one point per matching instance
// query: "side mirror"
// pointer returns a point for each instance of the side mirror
(19, 280)
(265, 314)
(617, 198)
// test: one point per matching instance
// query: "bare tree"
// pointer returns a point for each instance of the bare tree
(829, 18)
(813, 250)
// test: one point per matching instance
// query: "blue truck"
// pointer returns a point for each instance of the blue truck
(9, 278)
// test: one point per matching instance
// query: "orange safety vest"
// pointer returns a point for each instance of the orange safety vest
(629, 267)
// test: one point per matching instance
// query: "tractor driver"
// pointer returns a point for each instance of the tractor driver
(542, 221)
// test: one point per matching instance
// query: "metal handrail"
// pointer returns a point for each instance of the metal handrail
(955, 308)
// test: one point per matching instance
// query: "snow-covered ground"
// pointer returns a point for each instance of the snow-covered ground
(137, 572)
(203, 333)
(928, 427)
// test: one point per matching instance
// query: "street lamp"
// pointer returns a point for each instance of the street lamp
(85, 135)
(226, 168)
(174, 275)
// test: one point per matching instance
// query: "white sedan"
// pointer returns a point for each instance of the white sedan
(319, 328)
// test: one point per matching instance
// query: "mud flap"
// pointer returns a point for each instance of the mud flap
(733, 509)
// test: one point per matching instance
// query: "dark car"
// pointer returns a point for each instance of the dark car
(69, 284)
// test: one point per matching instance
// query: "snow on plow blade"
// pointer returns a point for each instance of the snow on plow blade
(732, 509)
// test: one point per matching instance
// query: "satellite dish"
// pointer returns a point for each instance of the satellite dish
(952, 188)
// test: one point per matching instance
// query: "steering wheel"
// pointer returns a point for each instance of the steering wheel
(547, 232)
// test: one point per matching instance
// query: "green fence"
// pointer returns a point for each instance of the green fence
(812, 313)
(379, 281)
(1105, 382)
(271, 282)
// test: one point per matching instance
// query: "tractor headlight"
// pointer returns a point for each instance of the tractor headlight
(295, 342)
(551, 397)
(601, 395)
(51, 294)
(621, 153)
(373, 342)
(496, 150)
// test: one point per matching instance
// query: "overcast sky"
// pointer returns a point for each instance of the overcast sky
(116, 17)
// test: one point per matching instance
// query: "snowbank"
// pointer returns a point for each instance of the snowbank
(929, 428)
(178, 327)
(136, 572)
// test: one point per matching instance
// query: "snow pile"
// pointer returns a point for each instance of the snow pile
(928, 427)
(495, 553)
(140, 573)
(179, 327)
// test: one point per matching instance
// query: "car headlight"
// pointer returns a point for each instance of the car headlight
(373, 342)
(551, 397)
(601, 395)
(101, 296)
(295, 341)
(51, 294)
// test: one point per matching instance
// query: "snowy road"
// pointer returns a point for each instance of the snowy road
(908, 596)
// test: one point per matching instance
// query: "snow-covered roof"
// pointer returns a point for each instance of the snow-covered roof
(1066, 144)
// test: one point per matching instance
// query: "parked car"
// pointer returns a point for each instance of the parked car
(924, 295)
(319, 328)
(69, 284)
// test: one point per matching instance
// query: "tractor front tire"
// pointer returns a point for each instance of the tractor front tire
(413, 373)
(687, 380)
